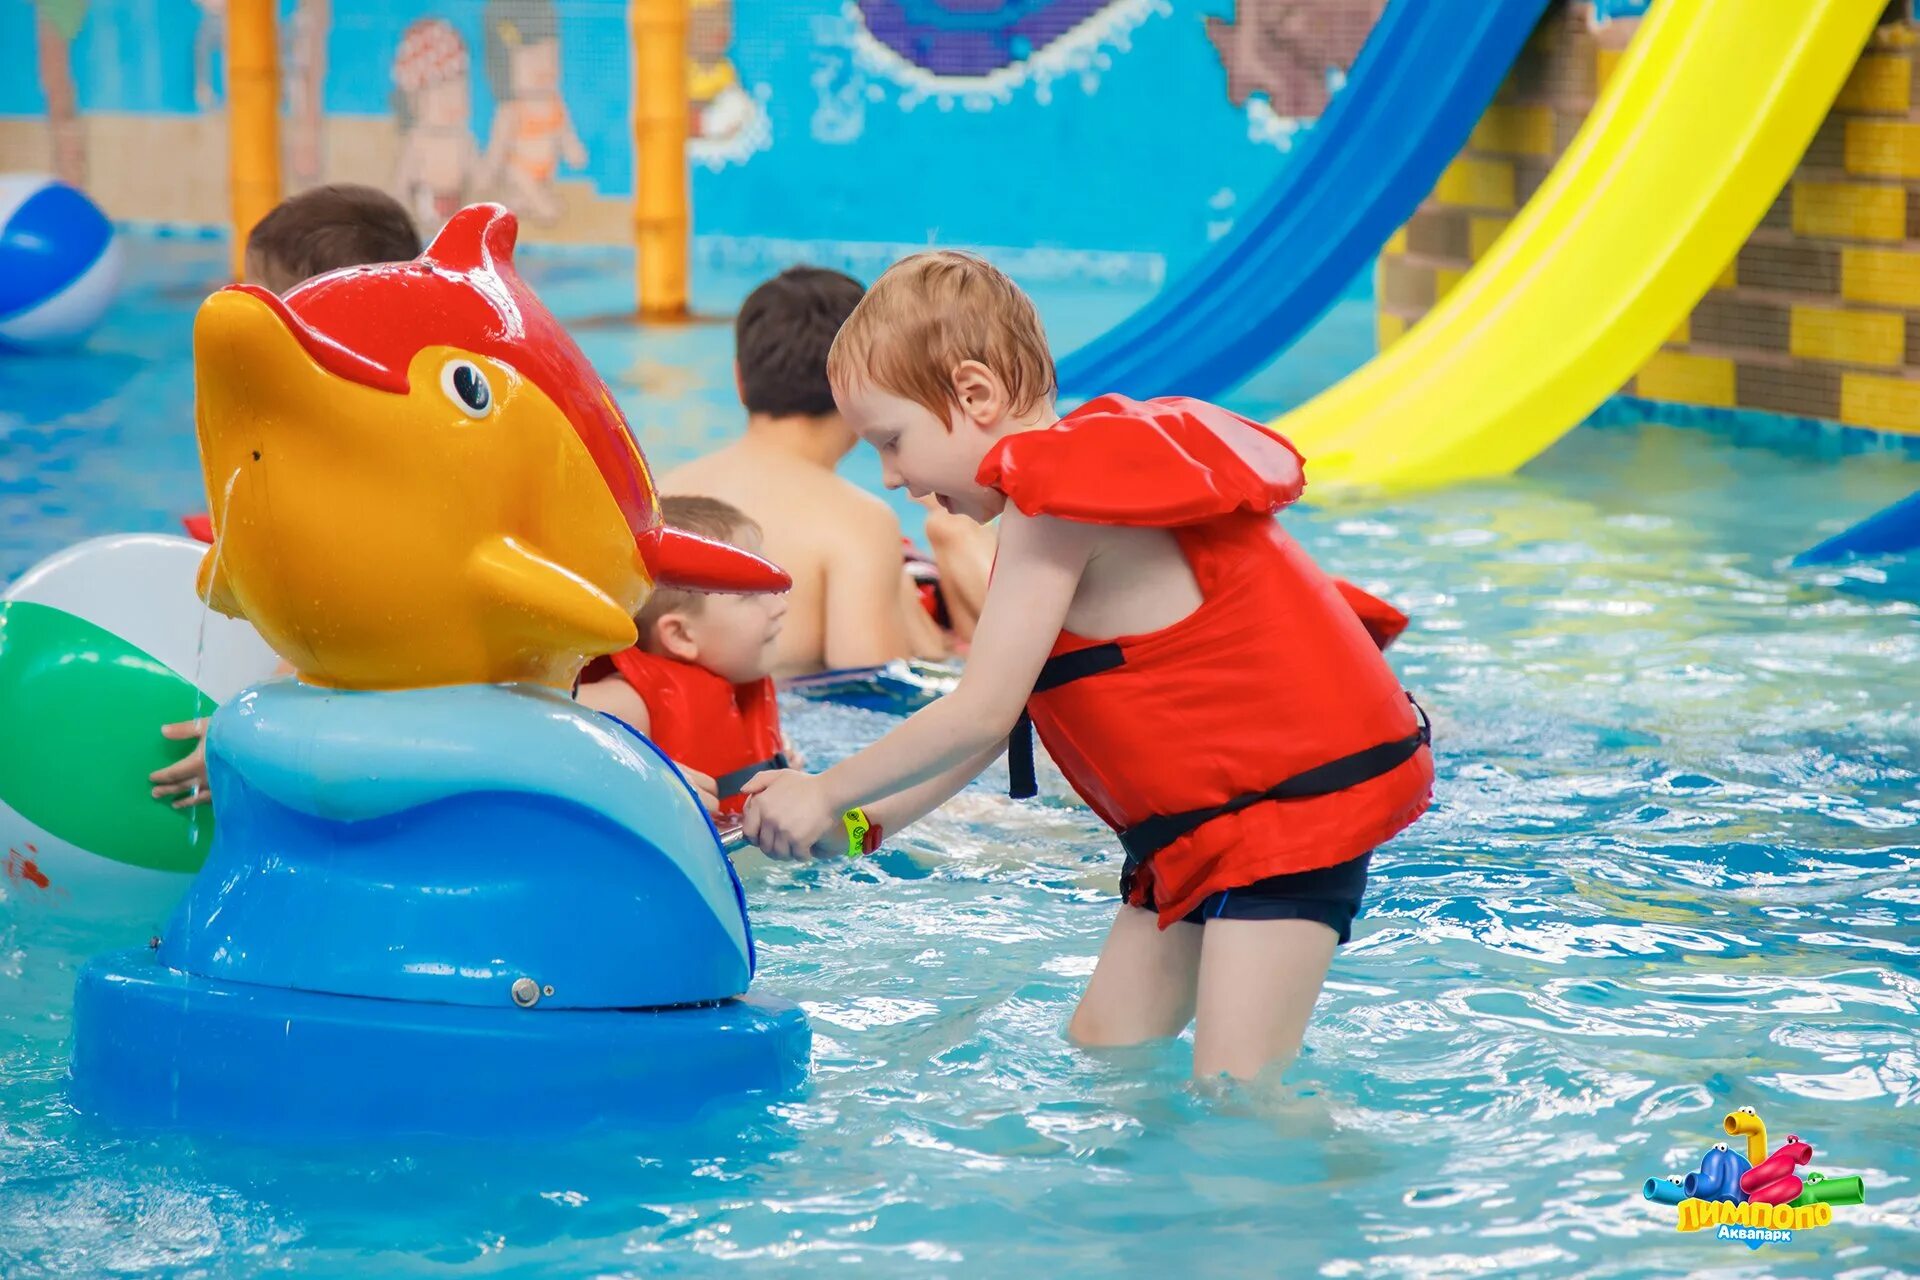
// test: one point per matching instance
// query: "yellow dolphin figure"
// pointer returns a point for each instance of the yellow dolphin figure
(417, 479)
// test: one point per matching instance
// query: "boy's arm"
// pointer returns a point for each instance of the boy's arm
(901, 810)
(1040, 564)
(904, 808)
(615, 697)
(865, 625)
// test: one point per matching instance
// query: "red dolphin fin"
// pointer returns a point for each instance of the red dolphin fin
(199, 528)
(478, 238)
(676, 558)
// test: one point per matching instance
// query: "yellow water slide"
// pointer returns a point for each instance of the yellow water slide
(1692, 138)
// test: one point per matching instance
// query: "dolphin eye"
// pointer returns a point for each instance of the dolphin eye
(467, 387)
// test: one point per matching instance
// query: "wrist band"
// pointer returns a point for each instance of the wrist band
(863, 836)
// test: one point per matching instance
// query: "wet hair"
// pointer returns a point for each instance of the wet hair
(510, 24)
(930, 312)
(781, 339)
(326, 228)
(710, 518)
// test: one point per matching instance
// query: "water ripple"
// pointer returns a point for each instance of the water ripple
(1671, 870)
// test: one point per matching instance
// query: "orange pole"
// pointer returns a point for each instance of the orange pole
(662, 122)
(253, 118)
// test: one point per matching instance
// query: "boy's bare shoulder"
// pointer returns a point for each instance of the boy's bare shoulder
(856, 503)
(771, 481)
(688, 477)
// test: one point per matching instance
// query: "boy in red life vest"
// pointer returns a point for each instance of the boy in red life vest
(1199, 681)
(698, 683)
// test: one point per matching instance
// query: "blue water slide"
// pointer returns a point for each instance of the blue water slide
(1427, 73)
(1884, 533)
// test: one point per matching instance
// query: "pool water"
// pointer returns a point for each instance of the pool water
(1671, 871)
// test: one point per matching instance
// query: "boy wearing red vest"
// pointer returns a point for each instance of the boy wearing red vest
(1200, 682)
(697, 683)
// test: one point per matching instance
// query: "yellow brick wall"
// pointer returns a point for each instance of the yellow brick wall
(1882, 277)
(1818, 315)
(1471, 183)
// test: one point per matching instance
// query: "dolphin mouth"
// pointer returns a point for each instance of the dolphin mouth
(321, 349)
(676, 558)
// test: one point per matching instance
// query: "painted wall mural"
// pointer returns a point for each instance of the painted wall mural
(532, 131)
(729, 118)
(433, 99)
(1087, 137)
(978, 53)
(1285, 59)
(303, 71)
(56, 24)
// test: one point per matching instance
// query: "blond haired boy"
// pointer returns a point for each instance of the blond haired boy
(1200, 682)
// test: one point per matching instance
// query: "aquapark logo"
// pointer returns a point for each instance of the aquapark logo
(1756, 1198)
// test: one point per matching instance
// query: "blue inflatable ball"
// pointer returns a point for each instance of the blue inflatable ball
(59, 263)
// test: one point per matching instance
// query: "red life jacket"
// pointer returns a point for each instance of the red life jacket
(1262, 734)
(730, 731)
(926, 582)
(1383, 622)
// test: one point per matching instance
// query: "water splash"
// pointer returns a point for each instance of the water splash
(203, 706)
(1673, 871)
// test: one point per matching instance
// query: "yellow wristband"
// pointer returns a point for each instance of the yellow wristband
(863, 836)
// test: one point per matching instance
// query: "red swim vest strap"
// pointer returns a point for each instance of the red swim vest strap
(1061, 668)
(1022, 782)
(1145, 838)
(730, 785)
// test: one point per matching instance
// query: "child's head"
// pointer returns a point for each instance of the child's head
(731, 636)
(781, 338)
(943, 357)
(324, 229)
(523, 48)
(431, 73)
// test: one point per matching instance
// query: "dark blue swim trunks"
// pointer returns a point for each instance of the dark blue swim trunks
(1330, 895)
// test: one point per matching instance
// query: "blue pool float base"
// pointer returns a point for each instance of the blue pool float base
(157, 1048)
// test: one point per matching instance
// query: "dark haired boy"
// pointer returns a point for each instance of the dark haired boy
(851, 604)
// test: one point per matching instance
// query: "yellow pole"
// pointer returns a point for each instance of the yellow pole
(662, 121)
(253, 118)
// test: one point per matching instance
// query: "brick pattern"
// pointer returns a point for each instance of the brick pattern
(1818, 315)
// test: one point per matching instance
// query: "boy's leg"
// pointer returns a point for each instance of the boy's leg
(1142, 989)
(1258, 983)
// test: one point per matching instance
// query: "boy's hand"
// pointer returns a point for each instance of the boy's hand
(703, 786)
(189, 773)
(789, 815)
